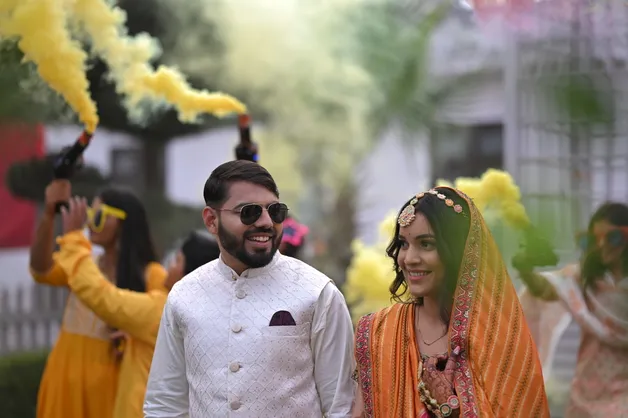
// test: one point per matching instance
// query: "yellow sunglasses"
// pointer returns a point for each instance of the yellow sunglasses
(96, 219)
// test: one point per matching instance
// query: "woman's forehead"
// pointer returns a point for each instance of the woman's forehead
(603, 224)
(420, 226)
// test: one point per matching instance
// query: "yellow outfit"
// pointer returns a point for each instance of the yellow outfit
(83, 379)
(81, 374)
(137, 314)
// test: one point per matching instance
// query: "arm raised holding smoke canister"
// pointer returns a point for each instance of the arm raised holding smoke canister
(42, 266)
(535, 251)
(58, 192)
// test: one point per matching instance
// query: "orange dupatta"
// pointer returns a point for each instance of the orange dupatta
(498, 373)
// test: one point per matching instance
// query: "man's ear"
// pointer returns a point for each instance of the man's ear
(210, 218)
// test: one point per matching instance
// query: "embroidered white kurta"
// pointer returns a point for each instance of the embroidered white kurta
(217, 356)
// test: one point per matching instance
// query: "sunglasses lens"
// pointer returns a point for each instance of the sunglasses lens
(615, 238)
(250, 213)
(278, 212)
(583, 242)
(97, 220)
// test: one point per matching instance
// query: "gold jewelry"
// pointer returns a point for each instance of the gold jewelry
(421, 334)
(439, 410)
(408, 214)
(433, 342)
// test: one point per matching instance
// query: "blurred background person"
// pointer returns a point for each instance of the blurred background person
(197, 249)
(595, 293)
(293, 239)
(83, 375)
(135, 315)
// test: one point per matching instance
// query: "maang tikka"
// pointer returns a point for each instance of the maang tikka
(408, 214)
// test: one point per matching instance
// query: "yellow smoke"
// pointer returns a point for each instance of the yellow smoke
(371, 271)
(45, 40)
(42, 27)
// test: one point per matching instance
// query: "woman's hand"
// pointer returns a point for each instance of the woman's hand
(75, 215)
(118, 339)
(440, 382)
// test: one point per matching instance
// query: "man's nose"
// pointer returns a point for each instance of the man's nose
(264, 220)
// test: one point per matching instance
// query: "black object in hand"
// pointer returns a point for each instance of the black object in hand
(246, 149)
(69, 160)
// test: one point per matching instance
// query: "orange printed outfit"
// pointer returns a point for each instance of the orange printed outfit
(82, 374)
(498, 373)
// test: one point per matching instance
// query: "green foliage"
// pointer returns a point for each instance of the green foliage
(23, 94)
(19, 382)
(581, 100)
(395, 51)
(393, 42)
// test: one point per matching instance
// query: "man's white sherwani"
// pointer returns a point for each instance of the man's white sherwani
(217, 356)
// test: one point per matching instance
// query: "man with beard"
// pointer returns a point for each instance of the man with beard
(254, 333)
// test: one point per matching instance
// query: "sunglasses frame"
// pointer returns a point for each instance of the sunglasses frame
(105, 211)
(283, 207)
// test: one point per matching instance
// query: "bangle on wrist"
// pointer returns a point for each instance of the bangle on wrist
(447, 408)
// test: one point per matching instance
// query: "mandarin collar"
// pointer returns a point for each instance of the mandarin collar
(252, 272)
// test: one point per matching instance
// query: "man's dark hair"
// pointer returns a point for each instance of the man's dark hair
(216, 190)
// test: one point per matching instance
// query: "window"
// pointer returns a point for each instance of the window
(126, 167)
(468, 152)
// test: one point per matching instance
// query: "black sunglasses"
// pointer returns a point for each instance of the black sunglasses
(249, 214)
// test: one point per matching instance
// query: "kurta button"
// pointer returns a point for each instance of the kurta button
(235, 405)
(236, 328)
(240, 294)
(234, 367)
(234, 277)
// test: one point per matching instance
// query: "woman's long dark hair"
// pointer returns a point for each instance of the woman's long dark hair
(592, 267)
(451, 230)
(136, 247)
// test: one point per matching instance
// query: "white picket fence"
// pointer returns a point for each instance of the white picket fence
(30, 317)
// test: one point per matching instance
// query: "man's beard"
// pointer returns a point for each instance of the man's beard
(236, 247)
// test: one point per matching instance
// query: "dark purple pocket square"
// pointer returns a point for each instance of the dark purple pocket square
(281, 318)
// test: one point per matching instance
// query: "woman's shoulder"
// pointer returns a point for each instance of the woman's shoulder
(383, 314)
(155, 267)
(155, 275)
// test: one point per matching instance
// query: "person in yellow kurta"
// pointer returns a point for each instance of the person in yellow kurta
(82, 372)
(136, 314)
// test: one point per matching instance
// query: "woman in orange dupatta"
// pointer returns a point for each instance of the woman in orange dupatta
(458, 344)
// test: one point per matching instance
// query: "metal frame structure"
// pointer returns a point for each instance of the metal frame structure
(568, 161)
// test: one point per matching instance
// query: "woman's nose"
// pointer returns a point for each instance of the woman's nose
(413, 258)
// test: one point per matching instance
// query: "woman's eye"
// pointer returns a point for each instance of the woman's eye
(402, 244)
(428, 245)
